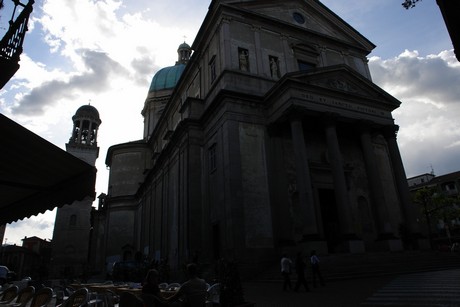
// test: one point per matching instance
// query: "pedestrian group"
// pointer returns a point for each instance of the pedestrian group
(300, 266)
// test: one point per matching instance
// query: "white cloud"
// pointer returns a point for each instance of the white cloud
(428, 117)
(40, 226)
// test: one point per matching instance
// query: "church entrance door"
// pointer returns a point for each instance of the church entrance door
(330, 218)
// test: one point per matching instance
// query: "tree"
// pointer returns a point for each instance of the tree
(1, 4)
(409, 3)
(437, 207)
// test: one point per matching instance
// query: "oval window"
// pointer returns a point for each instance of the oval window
(298, 18)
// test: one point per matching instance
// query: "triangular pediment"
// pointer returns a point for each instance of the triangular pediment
(310, 15)
(342, 81)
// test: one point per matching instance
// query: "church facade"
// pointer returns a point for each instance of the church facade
(271, 136)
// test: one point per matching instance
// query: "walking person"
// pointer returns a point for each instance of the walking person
(316, 273)
(300, 267)
(286, 266)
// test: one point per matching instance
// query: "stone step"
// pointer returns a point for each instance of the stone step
(345, 266)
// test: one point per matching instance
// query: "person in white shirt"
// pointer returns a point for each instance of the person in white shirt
(286, 266)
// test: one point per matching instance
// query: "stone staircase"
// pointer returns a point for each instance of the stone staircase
(349, 266)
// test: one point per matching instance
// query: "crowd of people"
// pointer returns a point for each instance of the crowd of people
(300, 267)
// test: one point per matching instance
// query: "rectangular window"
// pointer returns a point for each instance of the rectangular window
(212, 69)
(305, 66)
(212, 158)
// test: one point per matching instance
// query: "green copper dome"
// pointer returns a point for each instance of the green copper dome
(166, 78)
(184, 45)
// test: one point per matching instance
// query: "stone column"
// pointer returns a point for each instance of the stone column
(80, 129)
(407, 207)
(304, 185)
(340, 185)
(90, 132)
(376, 190)
(225, 52)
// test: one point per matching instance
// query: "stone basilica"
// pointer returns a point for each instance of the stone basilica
(267, 135)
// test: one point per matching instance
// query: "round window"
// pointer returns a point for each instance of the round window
(298, 18)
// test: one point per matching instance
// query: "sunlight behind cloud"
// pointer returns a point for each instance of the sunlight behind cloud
(428, 116)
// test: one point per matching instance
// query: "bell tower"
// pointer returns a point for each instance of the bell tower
(83, 142)
(72, 227)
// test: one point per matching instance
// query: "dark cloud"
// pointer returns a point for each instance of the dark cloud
(100, 70)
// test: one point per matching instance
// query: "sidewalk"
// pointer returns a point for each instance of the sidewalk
(337, 293)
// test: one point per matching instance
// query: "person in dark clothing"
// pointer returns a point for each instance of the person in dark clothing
(193, 292)
(300, 267)
(150, 284)
(150, 290)
(316, 273)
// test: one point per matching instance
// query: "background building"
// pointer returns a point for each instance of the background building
(71, 234)
(438, 202)
(271, 136)
(29, 260)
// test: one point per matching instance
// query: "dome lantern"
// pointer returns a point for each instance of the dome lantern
(184, 52)
(167, 77)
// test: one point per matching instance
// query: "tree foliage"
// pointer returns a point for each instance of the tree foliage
(409, 3)
(437, 205)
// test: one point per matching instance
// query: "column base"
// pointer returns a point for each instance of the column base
(354, 246)
(319, 246)
(392, 245)
(423, 243)
(386, 236)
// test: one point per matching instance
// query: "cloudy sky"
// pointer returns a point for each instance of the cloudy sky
(106, 52)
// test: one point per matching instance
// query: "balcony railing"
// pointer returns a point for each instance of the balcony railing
(11, 43)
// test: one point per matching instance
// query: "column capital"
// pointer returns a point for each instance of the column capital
(390, 131)
(295, 116)
(364, 125)
(227, 20)
(330, 118)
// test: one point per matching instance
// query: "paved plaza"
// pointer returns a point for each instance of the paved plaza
(439, 288)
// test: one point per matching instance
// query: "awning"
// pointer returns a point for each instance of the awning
(36, 175)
